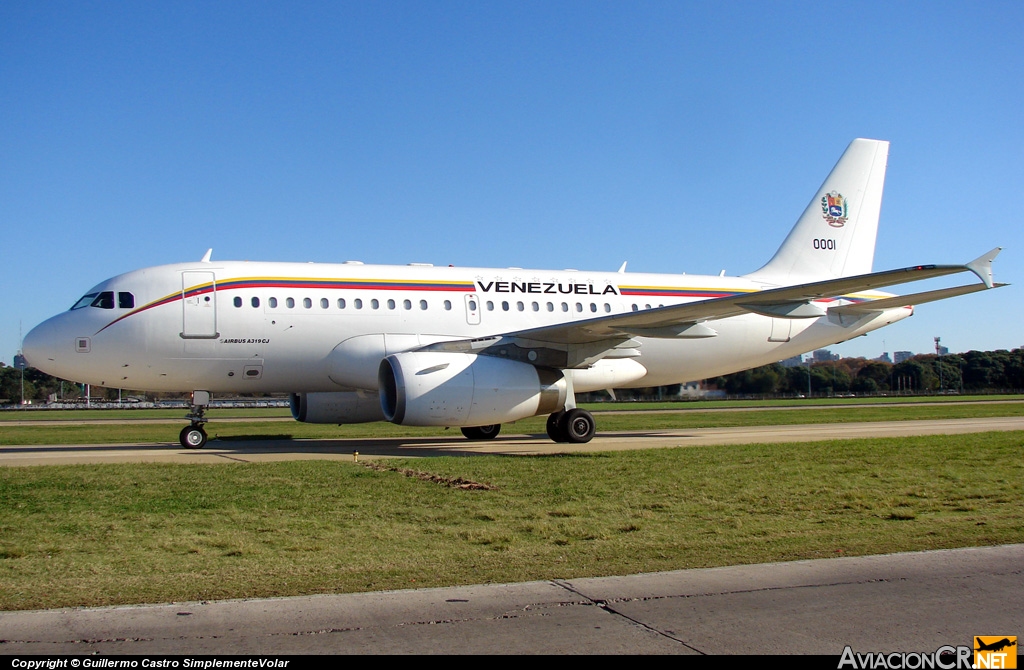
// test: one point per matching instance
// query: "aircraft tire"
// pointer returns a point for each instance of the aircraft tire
(578, 426)
(554, 427)
(482, 432)
(193, 437)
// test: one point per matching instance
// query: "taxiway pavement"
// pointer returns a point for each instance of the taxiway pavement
(289, 449)
(913, 602)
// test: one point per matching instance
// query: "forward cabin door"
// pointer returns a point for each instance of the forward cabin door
(198, 305)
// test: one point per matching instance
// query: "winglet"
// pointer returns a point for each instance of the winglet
(982, 266)
(206, 256)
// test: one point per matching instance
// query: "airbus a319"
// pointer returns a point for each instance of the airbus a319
(478, 347)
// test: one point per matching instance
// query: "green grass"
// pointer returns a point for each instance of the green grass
(131, 432)
(130, 533)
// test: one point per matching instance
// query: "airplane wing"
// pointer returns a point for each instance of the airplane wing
(589, 339)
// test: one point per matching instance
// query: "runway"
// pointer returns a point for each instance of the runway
(913, 602)
(277, 449)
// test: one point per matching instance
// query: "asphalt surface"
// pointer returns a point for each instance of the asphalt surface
(913, 602)
(277, 450)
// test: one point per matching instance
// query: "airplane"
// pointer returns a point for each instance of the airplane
(474, 348)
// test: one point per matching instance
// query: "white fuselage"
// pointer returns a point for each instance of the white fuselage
(239, 327)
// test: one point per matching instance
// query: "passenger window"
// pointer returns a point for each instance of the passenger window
(423, 304)
(472, 305)
(273, 303)
(237, 301)
(551, 307)
(104, 300)
(255, 301)
(407, 304)
(536, 307)
(635, 308)
(375, 304)
(290, 303)
(324, 303)
(504, 305)
(358, 302)
(490, 306)
(565, 307)
(579, 307)
(519, 306)
(307, 303)
(341, 303)
(391, 304)
(607, 308)
(448, 305)
(593, 307)
(125, 300)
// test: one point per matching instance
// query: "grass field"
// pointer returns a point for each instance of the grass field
(131, 533)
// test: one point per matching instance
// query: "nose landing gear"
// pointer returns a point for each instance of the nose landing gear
(193, 436)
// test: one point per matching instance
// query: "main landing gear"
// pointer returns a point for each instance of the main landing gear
(574, 425)
(193, 436)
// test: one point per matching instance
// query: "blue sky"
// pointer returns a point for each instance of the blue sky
(681, 137)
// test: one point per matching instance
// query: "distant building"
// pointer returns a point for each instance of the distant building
(824, 356)
(901, 356)
(794, 362)
(884, 358)
(942, 351)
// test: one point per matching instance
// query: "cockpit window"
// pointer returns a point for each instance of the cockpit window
(84, 301)
(104, 300)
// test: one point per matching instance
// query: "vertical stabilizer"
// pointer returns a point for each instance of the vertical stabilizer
(835, 236)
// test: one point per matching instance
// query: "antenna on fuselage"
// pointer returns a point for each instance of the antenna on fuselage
(206, 256)
(622, 270)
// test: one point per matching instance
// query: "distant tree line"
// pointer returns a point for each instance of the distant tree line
(974, 371)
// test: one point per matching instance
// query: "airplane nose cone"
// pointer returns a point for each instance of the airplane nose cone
(39, 346)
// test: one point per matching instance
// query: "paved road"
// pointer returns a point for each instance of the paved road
(900, 602)
(40, 416)
(277, 450)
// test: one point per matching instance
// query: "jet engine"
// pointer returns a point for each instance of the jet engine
(426, 388)
(336, 407)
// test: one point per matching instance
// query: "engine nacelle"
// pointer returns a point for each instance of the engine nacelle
(337, 407)
(427, 388)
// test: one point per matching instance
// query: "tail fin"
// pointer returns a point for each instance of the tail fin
(835, 236)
